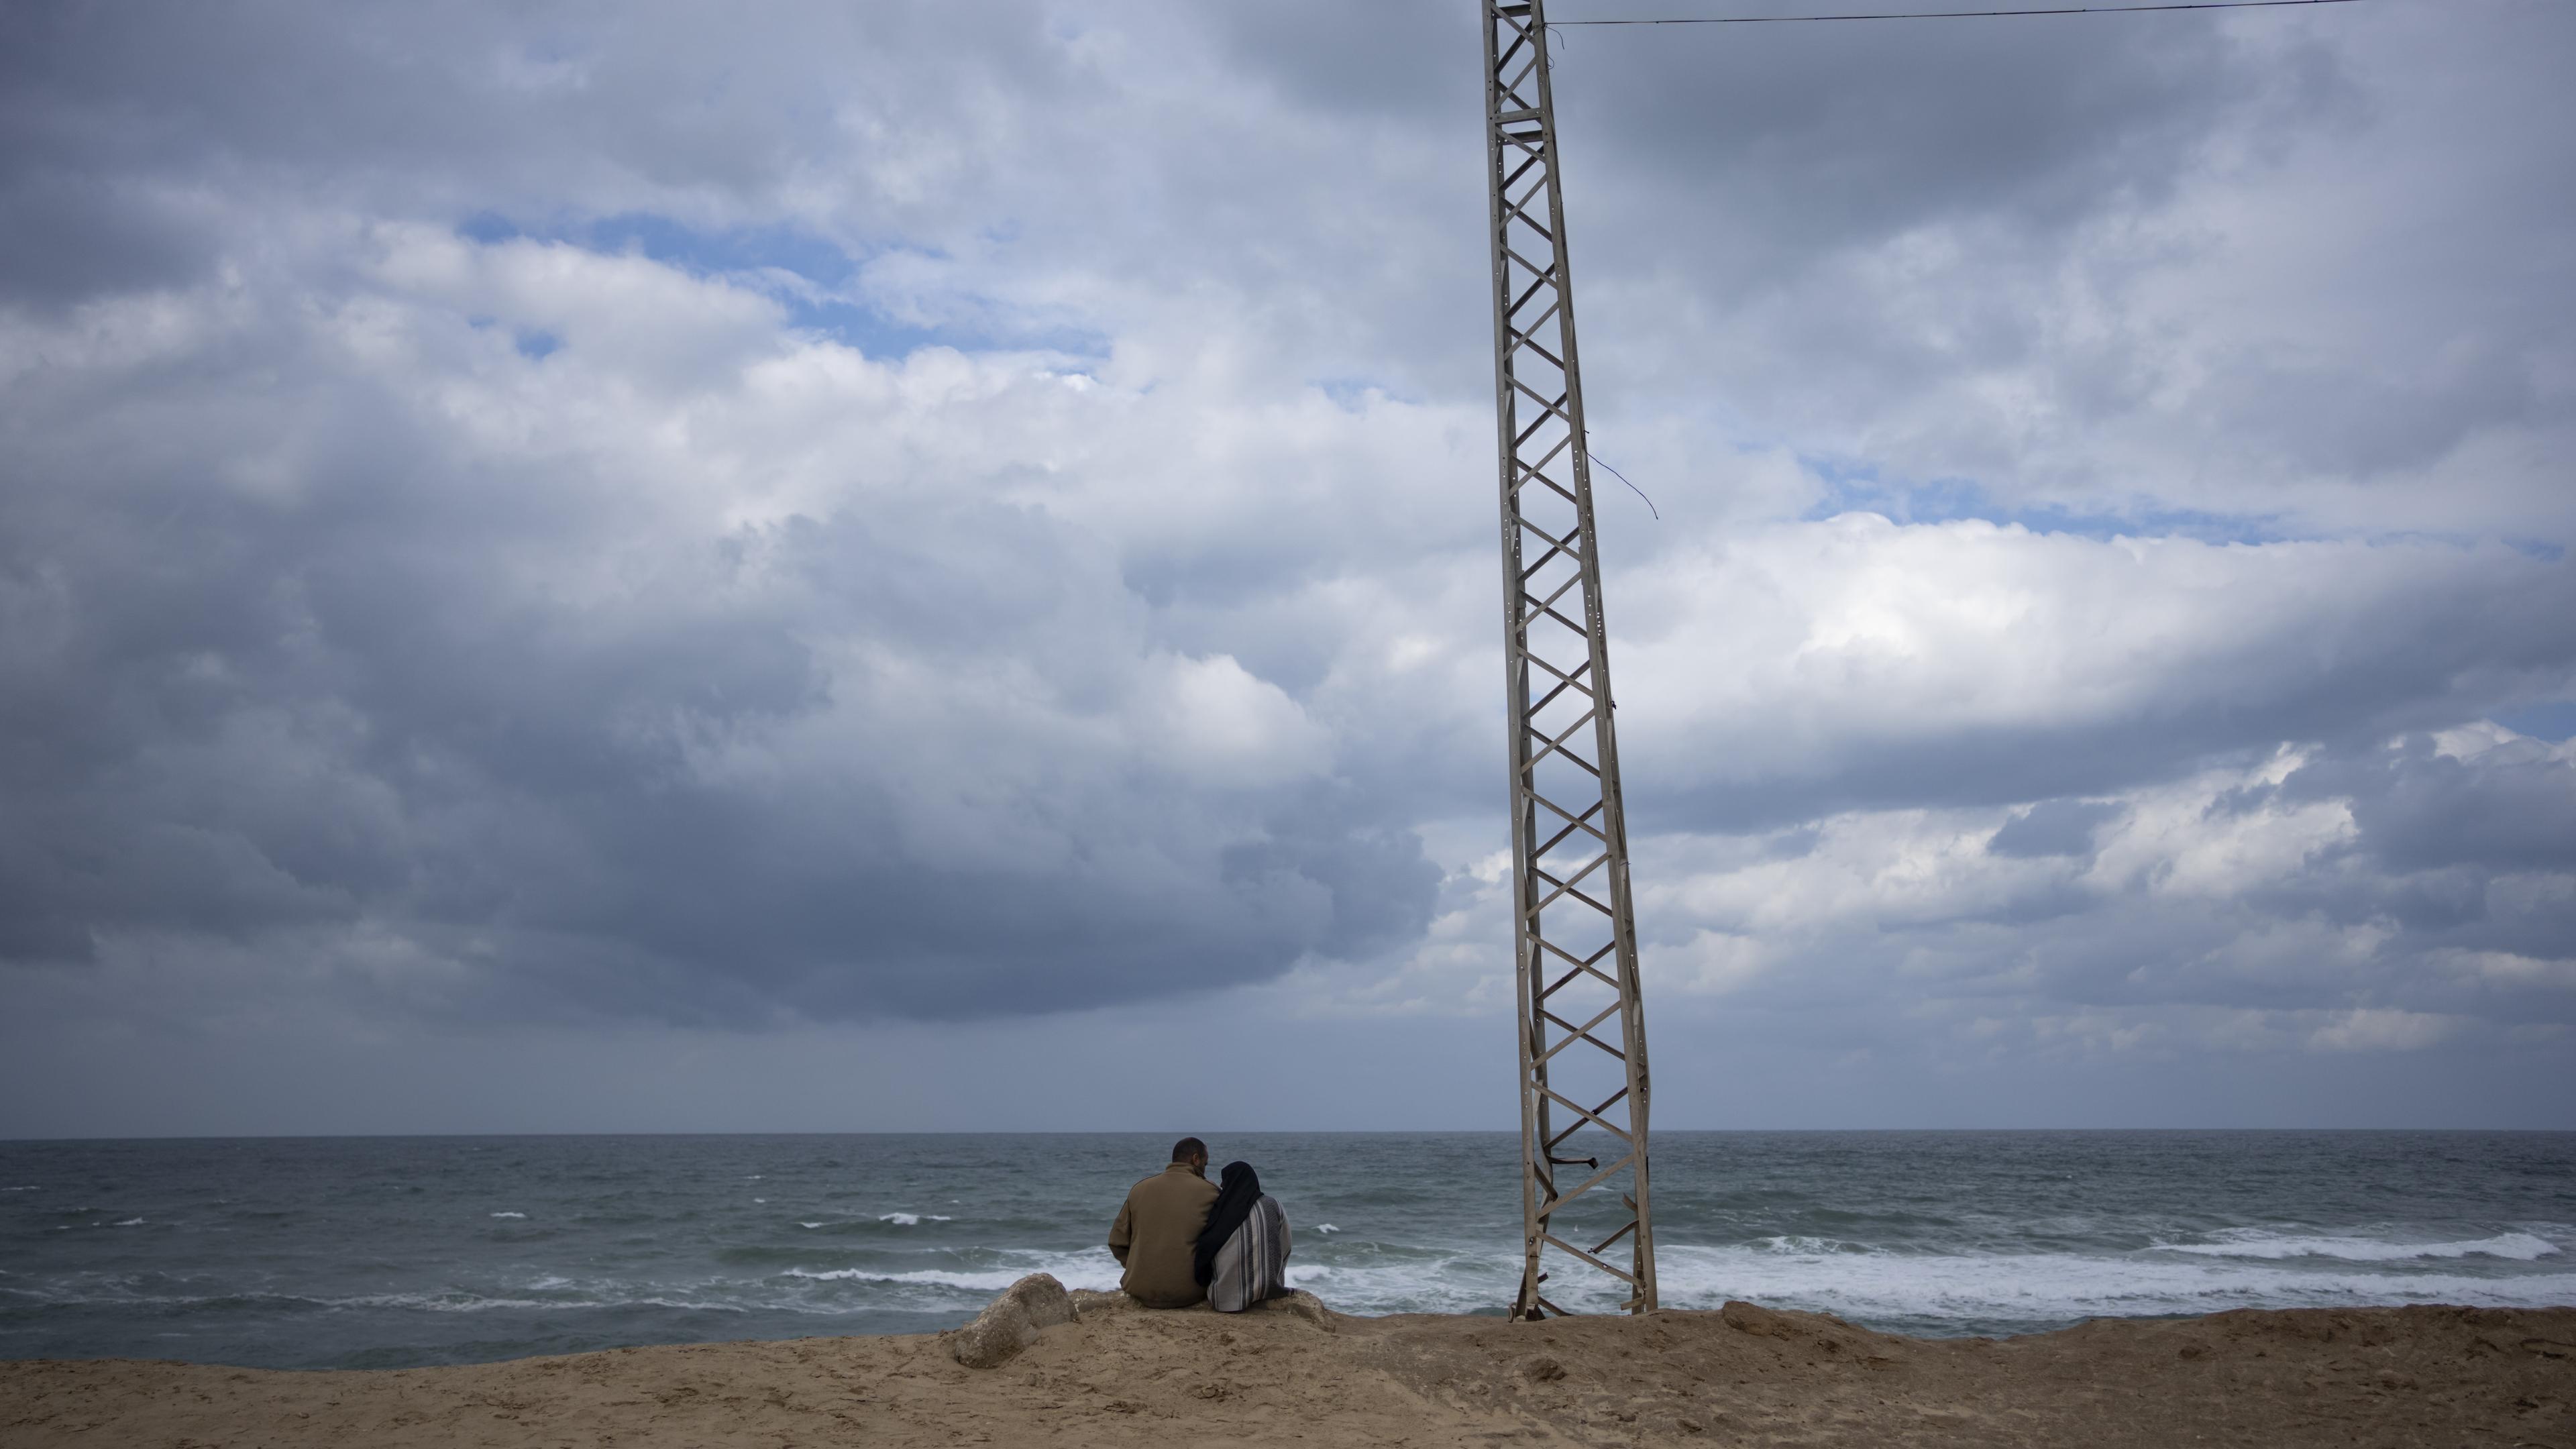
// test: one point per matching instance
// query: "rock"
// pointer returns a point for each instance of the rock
(1010, 1322)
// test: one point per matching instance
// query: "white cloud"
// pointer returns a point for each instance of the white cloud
(1793, 652)
(2364, 1029)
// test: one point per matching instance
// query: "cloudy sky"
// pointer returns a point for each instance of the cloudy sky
(931, 566)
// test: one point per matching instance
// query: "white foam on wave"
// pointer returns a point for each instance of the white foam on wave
(1461, 1283)
(509, 1215)
(472, 1303)
(1326, 1228)
(2038, 1287)
(1096, 1271)
(1800, 1243)
(809, 1225)
(913, 1220)
(21, 1189)
(2255, 1243)
(1917, 1290)
(128, 1223)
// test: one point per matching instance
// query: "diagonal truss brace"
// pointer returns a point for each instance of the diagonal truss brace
(1564, 754)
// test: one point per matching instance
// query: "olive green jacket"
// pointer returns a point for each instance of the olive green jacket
(1157, 1232)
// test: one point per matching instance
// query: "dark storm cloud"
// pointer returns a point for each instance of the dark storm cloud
(493, 706)
(1712, 171)
(262, 725)
(2512, 808)
(72, 236)
(1956, 251)
(2473, 853)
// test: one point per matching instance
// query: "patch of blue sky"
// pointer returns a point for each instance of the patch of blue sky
(1851, 489)
(2553, 720)
(674, 244)
(531, 342)
(878, 334)
(1351, 394)
(723, 253)
(488, 228)
(809, 276)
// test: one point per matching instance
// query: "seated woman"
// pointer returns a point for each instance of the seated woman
(1242, 1257)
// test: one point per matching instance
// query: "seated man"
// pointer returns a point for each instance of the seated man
(1157, 1231)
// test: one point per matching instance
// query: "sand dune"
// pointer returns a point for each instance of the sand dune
(1296, 1373)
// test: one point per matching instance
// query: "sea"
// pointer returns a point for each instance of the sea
(402, 1251)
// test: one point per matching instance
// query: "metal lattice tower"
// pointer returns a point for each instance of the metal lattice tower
(1582, 1025)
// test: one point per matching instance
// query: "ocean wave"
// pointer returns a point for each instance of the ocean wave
(1802, 1244)
(128, 1223)
(455, 1301)
(1099, 1273)
(1925, 1292)
(1977, 1292)
(509, 1215)
(883, 1225)
(1935, 1293)
(2256, 1243)
(476, 1303)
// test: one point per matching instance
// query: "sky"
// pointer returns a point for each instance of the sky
(929, 567)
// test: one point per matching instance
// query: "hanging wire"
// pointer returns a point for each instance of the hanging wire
(1622, 477)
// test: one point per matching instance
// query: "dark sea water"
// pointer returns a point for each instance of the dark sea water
(383, 1252)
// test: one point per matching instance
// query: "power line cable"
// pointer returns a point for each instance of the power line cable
(1622, 477)
(1948, 14)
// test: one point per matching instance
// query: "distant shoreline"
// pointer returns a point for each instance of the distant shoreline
(1294, 1373)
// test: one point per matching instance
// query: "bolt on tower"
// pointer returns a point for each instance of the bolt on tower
(1582, 1027)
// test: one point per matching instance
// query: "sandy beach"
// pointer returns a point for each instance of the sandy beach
(1295, 1372)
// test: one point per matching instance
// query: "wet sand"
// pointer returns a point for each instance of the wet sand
(1294, 1372)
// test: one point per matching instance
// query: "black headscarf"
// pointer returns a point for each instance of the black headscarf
(1235, 1196)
